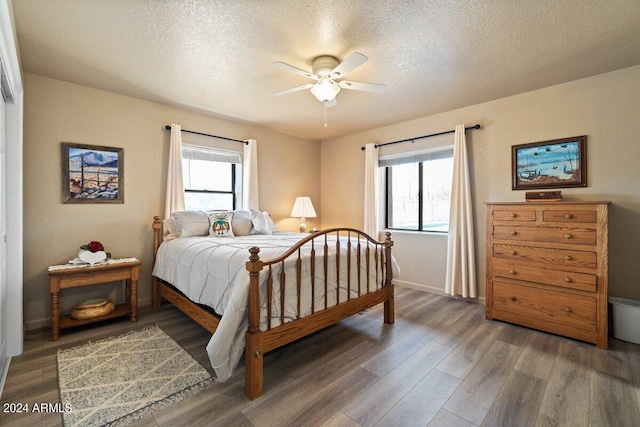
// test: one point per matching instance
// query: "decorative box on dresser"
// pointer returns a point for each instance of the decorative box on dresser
(547, 267)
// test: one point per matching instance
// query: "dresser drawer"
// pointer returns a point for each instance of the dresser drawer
(559, 258)
(588, 216)
(545, 306)
(547, 234)
(559, 278)
(514, 215)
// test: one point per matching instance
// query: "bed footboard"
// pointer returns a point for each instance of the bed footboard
(361, 293)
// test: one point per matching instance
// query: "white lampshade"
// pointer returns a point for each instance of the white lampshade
(303, 208)
(325, 90)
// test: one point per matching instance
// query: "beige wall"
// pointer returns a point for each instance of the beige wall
(606, 108)
(57, 112)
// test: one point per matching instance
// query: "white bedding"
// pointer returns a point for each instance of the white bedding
(212, 271)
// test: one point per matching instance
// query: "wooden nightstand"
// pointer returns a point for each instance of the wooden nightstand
(69, 276)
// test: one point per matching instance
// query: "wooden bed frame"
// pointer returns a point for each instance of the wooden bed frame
(258, 342)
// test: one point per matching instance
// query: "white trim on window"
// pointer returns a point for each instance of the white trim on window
(195, 152)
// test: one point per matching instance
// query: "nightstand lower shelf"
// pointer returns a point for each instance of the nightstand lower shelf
(67, 322)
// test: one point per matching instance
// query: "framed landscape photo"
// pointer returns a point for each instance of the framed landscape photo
(558, 163)
(92, 174)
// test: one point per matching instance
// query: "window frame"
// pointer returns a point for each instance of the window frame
(233, 192)
(388, 181)
(236, 168)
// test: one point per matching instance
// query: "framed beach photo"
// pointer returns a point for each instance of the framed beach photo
(558, 163)
(92, 174)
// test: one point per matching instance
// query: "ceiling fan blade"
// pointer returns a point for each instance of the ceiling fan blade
(354, 60)
(296, 70)
(367, 87)
(332, 103)
(295, 89)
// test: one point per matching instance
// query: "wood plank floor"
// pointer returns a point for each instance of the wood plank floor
(440, 364)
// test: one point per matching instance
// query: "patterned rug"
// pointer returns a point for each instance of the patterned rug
(118, 380)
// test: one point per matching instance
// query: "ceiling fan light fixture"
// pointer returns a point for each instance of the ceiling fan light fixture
(326, 71)
(325, 90)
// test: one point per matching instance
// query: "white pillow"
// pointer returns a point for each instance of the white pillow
(271, 223)
(262, 222)
(221, 224)
(192, 223)
(241, 223)
(171, 229)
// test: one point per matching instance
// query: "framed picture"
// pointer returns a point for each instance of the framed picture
(558, 163)
(92, 174)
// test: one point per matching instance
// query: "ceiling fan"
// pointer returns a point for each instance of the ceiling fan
(327, 71)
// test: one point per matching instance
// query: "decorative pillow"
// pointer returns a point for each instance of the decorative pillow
(221, 224)
(262, 222)
(171, 229)
(192, 223)
(272, 224)
(241, 223)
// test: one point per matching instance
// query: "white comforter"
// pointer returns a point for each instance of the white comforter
(212, 271)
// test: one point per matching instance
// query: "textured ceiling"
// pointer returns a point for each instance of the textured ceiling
(215, 56)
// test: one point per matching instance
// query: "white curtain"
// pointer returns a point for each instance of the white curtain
(175, 187)
(371, 191)
(250, 176)
(461, 266)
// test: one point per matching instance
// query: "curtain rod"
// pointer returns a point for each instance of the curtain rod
(423, 136)
(167, 127)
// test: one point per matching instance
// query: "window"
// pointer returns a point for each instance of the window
(418, 191)
(211, 178)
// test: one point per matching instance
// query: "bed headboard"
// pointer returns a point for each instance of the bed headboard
(157, 236)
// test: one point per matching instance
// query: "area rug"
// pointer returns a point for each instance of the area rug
(116, 381)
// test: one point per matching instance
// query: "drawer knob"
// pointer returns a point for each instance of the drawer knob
(568, 257)
(568, 216)
(512, 252)
(512, 272)
(513, 233)
(512, 298)
(567, 309)
(568, 236)
(568, 279)
(514, 215)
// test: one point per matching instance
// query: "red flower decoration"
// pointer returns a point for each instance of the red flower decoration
(94, 246)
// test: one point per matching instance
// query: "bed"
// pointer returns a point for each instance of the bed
(258, 292)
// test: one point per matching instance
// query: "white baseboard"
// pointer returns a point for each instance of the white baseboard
(433, 290)
(420, 287)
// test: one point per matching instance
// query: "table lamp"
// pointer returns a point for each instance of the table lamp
(303, 208)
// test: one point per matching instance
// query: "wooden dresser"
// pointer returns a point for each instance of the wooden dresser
(547, 267)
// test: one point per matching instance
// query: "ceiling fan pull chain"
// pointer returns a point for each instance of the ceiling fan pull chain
(325, 113)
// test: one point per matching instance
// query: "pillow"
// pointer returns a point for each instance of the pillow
(171, 229)
(241, 223)
(192, 223)
(262, 222)
(272, 224)
(221, 224)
